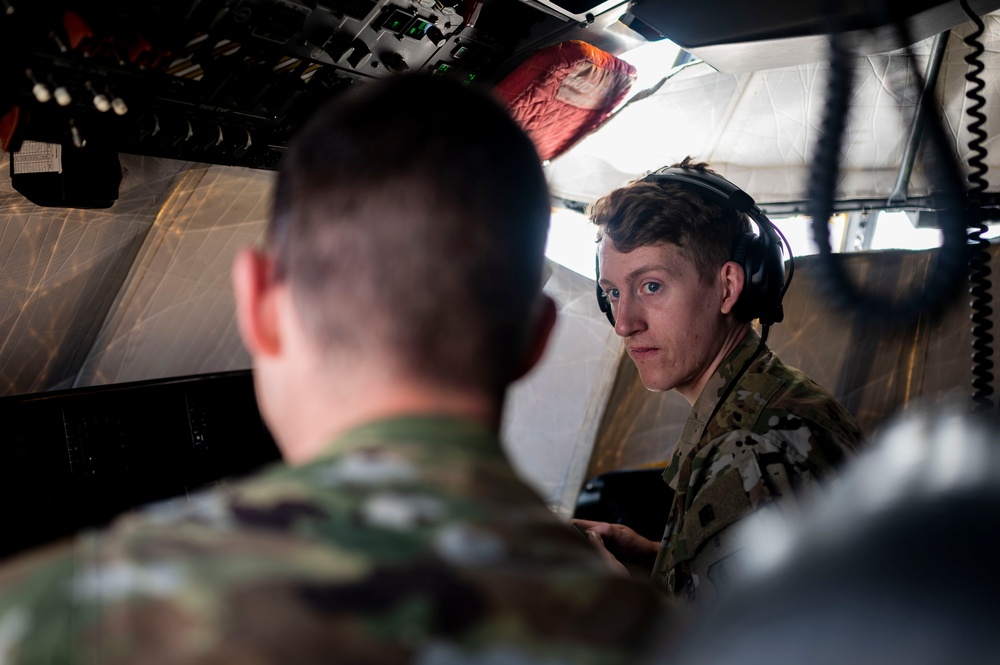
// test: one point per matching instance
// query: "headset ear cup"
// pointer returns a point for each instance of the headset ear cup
(772, 277)
(763, 278)
(743, 255)
(740, 251)
(605, 306)
(602, 302)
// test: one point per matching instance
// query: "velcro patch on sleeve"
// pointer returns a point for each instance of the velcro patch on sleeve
(717, 505)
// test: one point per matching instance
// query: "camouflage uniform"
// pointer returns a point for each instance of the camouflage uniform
(410, 540)
(774, 435)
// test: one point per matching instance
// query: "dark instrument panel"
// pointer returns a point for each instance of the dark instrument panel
(76, 458)
(224, 81)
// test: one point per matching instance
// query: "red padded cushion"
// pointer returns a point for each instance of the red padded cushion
(563, 92)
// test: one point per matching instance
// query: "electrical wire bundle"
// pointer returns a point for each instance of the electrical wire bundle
(949, 273)
(979, 257)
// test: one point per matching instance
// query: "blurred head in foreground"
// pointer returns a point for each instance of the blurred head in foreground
(403, 251)
(895, 564)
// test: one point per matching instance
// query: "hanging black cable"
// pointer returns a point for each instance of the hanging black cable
(979, 258)
(948, 274)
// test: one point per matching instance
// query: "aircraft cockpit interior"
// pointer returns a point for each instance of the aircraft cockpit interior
(139, 147)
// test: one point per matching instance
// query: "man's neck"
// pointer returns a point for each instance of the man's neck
(330, 410)
(730, 341)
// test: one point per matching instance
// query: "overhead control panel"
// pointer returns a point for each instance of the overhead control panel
(223, 81)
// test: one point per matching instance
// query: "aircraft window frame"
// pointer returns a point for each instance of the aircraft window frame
(572, 237)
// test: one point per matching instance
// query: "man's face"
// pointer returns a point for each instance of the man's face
(671, 320)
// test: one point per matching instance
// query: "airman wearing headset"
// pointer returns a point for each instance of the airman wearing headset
(682, 276)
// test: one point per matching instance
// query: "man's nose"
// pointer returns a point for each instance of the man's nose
(628, 317)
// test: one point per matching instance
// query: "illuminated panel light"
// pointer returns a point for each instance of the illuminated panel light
(397, 22)
(417, 28)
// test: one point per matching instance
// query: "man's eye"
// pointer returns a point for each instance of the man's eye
(612, 294)
(651, 287)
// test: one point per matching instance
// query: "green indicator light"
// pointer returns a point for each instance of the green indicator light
(397, 22)
(418, 29)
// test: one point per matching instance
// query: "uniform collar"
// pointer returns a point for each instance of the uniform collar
(718, 385)
(439, 430)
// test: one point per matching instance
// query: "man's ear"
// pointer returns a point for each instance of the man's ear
(538, 336)
(256, 309)
(732, 278)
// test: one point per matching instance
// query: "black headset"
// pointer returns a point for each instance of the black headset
(764, 283)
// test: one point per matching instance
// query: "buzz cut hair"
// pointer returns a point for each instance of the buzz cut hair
(410, 219)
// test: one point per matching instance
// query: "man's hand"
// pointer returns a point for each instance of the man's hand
(621, 547)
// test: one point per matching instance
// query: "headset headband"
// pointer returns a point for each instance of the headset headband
(711, 186)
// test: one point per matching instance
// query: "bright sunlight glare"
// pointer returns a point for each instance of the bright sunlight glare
(572, 241)
(652, 62)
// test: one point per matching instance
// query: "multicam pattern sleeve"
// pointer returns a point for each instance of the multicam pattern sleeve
(413, 542)
(766, 435)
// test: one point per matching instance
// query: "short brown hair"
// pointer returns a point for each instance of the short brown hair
(410, 219)
(645, 213)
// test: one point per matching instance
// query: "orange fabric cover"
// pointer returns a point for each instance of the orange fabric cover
(563, 92)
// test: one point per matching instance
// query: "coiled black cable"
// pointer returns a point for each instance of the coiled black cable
(980, 285)
(949, 272)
